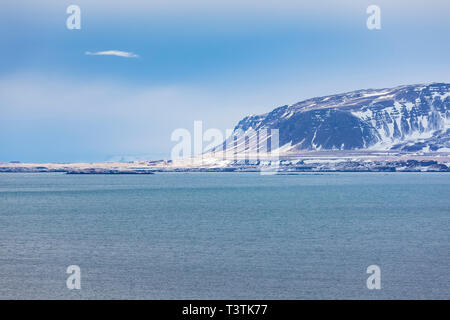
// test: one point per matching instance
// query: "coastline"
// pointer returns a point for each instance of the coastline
(306, 162)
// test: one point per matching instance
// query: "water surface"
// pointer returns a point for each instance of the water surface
(225, 235)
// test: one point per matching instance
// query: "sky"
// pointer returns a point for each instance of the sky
(138, 70)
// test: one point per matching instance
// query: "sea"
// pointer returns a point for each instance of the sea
(225, 236)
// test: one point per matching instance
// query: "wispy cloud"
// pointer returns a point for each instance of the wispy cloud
(117, 53)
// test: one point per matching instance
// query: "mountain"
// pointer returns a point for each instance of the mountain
(408, 118)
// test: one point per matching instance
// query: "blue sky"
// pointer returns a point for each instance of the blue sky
(215, 61)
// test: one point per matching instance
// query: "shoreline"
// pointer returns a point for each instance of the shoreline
(317, 162)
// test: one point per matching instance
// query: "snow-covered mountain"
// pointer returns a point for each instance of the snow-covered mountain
(407, 118)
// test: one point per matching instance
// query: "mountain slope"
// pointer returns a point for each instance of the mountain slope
(408, 118)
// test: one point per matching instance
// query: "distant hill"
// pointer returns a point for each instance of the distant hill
(405, 118)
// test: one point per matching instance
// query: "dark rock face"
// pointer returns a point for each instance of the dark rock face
(327, 129)
(407, 118)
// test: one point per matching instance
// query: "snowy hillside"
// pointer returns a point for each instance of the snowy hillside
(407, 118)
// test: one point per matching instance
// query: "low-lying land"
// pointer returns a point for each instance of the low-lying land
(317, 161)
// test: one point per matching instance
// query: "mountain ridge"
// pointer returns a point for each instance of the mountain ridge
(407, 118)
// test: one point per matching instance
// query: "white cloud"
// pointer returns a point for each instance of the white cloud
(117, 53)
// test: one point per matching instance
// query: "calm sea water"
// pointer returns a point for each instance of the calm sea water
(225, 235)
